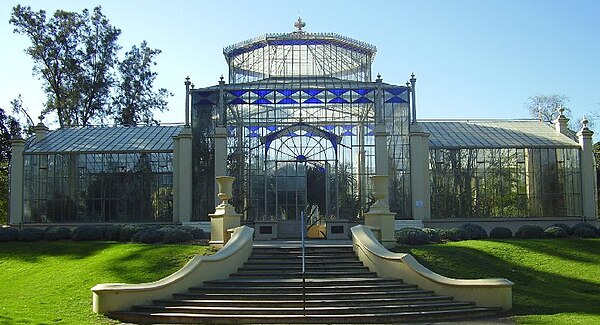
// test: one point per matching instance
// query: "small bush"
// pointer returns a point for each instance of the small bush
(530, 231)
(195, 231)
(148, 236)
(9, 234)
(555, 232)
(57, 233)
(453, 234)
(434, 236)
(87, 233)
(565, 227)
(474, 231)
(31, 234)
(500, 233)
(584, 232)
(126, 232)
(110, 232)
(176, 235)
(583, 225)
(412, 236)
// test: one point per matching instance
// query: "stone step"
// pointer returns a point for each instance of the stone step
(311, 289)
(296, 268)
(299, 283)
(296, 302)
(295, 295)
(299, 310)
(308, 275)
(397, 317)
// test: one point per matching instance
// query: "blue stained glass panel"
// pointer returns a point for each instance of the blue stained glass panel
(370, 133)
(237, 101)
(347, 133)
(238, 93)
(271, 128)
(287, 92)
(262, 92)
(329, 127)
(347, 127)
(338, 92)
(253, 128)
(301, 158)
(338, 100)
(313, 100)
(262, 101)
(287, 101)
(396, 91)
(362, 100)
(253, 135)
(313, 92)
(362, 92)
(395, 99)
(292, 134)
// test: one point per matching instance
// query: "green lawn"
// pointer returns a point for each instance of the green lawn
(49, 282)
(557, 281)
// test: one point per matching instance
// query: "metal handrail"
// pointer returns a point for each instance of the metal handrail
(303, 264)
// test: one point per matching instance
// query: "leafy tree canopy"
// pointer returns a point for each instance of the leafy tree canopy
(546, 107)
(75, 56)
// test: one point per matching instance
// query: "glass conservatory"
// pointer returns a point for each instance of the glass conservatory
(300, 111)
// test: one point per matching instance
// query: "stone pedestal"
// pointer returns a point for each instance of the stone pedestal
(225, 217)
(379, 218)
(265, 230)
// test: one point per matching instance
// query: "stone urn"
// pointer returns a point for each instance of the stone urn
(225, 188)
(380, 190)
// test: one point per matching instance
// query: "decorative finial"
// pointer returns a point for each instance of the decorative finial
(41, 117)
(407, 84)
(585, 122)
(299, 24)
(379, 76)
(561, 110)
(187, 80)
(192, 86)
(412, 76)
(221, 78)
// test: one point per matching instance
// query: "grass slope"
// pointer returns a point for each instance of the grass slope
(557, 281)
(49, 282)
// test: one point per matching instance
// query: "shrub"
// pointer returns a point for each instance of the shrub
(433, 234)
(530, 231)
(195, 231)
(412, 236)
(176, 235)
(87, 233)
(148, 236)
(57, 233)
(126, 232)
(565, 227)
(555, 232)
(9, 234)
(474, 231)
(583, 225)
(584, 232)
(500, 233)
(110, 232)
(31, 234)
(453, 234)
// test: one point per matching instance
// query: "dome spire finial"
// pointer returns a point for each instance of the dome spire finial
(299, 24)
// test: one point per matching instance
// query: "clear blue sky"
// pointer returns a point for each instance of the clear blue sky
(472, 59)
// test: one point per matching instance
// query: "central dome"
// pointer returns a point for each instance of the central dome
(299, 54)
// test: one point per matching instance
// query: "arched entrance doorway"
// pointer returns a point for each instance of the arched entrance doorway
(300, 164)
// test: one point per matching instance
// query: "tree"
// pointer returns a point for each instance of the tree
(73, 54)
(546, 107)
(9, 128)
(135, 99)
(18, 109)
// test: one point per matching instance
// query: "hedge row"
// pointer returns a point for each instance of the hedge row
(126, 233)
(420, 236)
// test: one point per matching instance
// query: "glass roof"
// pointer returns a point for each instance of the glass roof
(117, 139)
(481, 134)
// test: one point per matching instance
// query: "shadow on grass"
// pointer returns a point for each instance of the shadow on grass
(146, 262)
(577, 250)
(534, 292)
(33, 251)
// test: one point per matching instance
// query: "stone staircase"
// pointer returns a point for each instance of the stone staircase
(336, 288)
